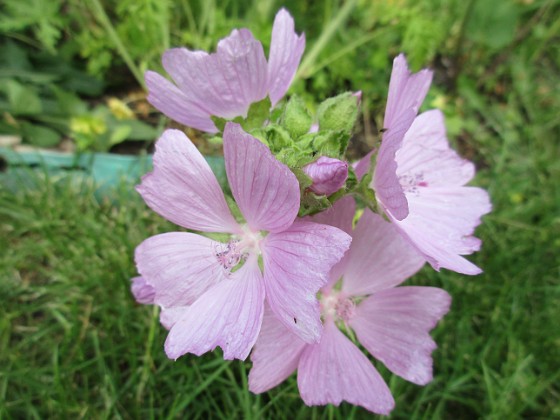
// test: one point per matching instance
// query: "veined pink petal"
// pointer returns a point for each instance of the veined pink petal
(183, 189)
(362, 166)
(224, 83)
(275, 356)
(394, 325)
(443, 212)
(426, 158)
(297, 262)
(340, 215)
(406, 93)
(379, 257)
(143, 292)
(179, 266)
(335, 370)
(174, 103)
(265, 190)
(441, 224)
(286, 49)
(169, 316)
(240, 57)
(228, 315)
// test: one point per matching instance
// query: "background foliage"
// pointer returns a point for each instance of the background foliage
(72, 341)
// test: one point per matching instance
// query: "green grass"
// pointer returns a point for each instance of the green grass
(74, 344)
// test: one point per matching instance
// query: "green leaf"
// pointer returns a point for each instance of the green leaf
(297, 118)
(493, 23)
(68, 103)
(23, 100)
(141, 131)
(338, 113)
(14, 57)
(119, 134)
(39, 135)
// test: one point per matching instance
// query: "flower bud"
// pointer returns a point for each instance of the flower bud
(143, 292)
(328, 175)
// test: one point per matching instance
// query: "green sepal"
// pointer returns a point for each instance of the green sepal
(295, 156)
(304, 180)
(312, 204)
(338, 113)
(331, 143)
(277, 112)
(258, 113)
(277, 138)
(260, 134)
(220, 123)
(363, 189)
(296, 118)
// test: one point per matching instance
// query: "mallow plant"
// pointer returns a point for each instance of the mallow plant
(300, 268)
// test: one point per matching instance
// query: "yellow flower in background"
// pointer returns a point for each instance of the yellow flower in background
(86, 124)
(119, 109)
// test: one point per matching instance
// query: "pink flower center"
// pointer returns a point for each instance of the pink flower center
(337, 306)
(228, 254)
(234, 252)
(411, 182)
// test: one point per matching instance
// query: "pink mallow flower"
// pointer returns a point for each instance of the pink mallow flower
(392, 323)
(328, 175)
(227, 82)
(212, 293)
(420, 181)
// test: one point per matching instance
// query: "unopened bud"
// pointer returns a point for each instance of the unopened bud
(143, 292)
(328, 175)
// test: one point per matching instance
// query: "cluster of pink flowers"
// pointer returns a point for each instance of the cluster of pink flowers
(302, 293)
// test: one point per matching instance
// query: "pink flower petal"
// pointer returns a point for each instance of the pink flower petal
(296, 265)
(379, 257)
(406, 93)
(169, 316)
(265, 190)
(179, 266)
(426, 157)
(183, 189)
(143, 292)
(228, 315)
(394, 325)
(224, 83)
(443, 212)
(441, 223)
(362, 166)
(275, 356)
(340, 215)
(174, 103)
(286, 49)
(335, 370)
